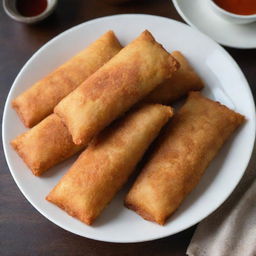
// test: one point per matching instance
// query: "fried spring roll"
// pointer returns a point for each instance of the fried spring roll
(195, 135)
(178, 86)
(45, 145)
(103, 168)
(37, 102)
(130, 75)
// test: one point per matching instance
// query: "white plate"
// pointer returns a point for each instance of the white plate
(225, 82)
(198, 13)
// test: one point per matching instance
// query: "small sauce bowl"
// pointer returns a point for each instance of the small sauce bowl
(11, 10)
(232, 17)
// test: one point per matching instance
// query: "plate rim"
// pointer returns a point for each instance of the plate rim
(41, 211)
(190, 23)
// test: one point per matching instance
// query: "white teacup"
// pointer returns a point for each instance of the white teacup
(232, 17)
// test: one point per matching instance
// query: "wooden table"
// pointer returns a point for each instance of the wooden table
(24, 231)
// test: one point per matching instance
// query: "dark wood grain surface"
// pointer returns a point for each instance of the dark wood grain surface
(24, 231)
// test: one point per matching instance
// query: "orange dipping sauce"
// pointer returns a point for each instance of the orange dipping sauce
(31, 8)
(241, 7)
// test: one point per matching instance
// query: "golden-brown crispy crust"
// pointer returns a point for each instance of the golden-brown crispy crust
(143, 213)
(185, 79)
(129, 76)
(45, 145)
(51, 198)
(39, 100)
(103, 168)
(195, 135)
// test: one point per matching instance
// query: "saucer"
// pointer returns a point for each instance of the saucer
(198, 14)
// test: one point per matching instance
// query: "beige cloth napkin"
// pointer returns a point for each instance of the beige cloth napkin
(231, 229)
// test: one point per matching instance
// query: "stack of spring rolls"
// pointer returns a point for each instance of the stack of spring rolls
(107, 101)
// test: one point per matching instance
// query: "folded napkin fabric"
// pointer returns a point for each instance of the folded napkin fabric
(231, 229)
